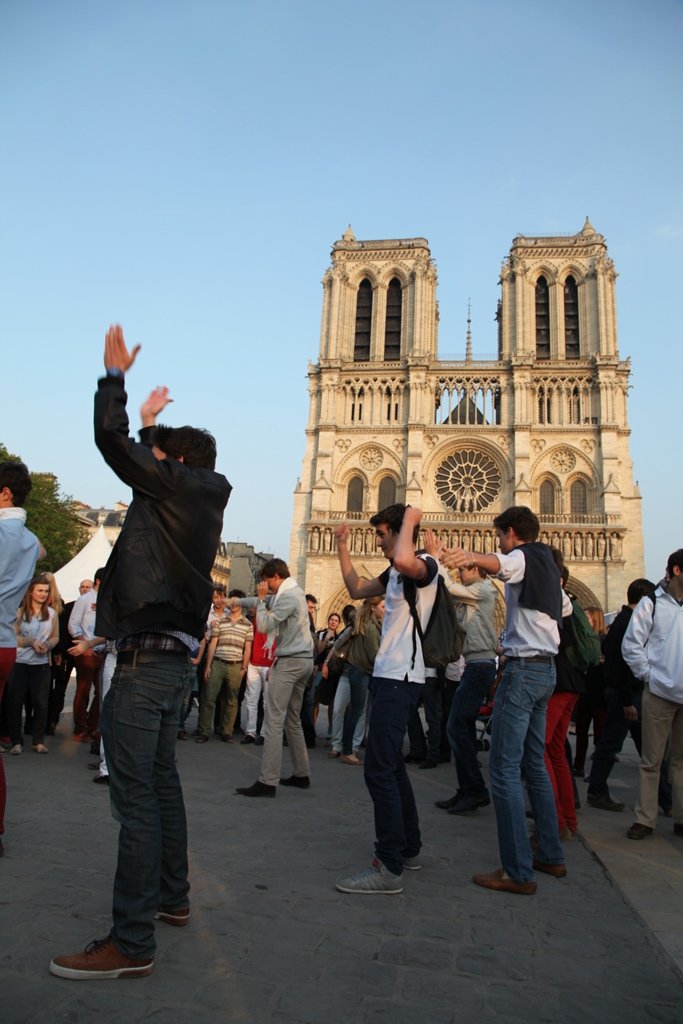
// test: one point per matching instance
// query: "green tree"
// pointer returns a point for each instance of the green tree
(52, 517)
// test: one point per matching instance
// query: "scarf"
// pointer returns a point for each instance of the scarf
(271, 636)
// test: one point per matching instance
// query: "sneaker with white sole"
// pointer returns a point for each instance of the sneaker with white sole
(100, 959)
(412, 864)
(178, 917)
(375, 879)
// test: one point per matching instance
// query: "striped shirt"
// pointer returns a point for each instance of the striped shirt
(232, 638)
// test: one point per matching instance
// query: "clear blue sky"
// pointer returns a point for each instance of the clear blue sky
(183, 168)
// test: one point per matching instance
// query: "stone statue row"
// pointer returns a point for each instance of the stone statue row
(589, 546)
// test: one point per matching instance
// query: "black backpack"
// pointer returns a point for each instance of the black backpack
(442, 641)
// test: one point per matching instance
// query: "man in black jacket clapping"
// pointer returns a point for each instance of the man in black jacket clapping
(154, 600)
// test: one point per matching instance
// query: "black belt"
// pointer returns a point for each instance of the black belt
(279, 656)
(146, 657)
(544, 659)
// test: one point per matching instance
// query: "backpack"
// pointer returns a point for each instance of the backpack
(442, 640)
(583, 644)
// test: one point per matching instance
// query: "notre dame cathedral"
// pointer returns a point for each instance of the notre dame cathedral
(544, 424)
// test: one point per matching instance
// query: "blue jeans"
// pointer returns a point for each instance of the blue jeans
(518, 740)
(358, 688)
(475, 684)
(397, 827)
(139, 724)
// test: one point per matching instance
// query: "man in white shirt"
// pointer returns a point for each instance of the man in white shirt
(19, 551)
(88, 664)
(397, 681)
(535, 601)
(653, 649)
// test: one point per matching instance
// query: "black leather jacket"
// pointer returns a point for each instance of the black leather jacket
(159, 571)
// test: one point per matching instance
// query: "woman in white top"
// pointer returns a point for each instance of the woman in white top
(37, 629)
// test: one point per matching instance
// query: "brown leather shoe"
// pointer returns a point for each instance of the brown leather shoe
(501, 882)
(638, 831)
(557, 870)
(101, 959)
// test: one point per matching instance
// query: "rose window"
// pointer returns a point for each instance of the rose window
(563, 460)
(467, 481)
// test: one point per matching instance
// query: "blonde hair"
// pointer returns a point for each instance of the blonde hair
(597, 619)
(363, 615)
(54, 598)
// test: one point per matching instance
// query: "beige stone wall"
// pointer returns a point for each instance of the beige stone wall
(463, 440)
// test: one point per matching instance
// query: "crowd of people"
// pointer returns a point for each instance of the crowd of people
(151, 635)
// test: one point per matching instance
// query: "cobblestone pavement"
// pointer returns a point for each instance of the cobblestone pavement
(272, 940)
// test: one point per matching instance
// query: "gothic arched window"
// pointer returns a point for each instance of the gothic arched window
(392, 333)
(542, 319)
(354, 495)
(546, 498)
(361, 346)
(387, 492)
(572, 348)
(578, 498)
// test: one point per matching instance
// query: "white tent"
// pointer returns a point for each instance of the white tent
(83, 566)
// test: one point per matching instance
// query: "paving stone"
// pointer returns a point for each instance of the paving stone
(271, 940)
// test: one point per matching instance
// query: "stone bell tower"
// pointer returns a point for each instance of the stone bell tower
(544, 424)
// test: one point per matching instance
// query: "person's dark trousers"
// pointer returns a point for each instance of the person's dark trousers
(431, 701)
(477, 680)
(448, 687)
(237, 728)
(140, 716)
(615, 731)
(307, 712)
(397, 826)
(569, 754)
(59, 679)
(33, 681)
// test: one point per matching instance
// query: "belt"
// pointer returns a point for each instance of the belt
(278, 657)
(237, 661)
(544, 659)
(145, 657)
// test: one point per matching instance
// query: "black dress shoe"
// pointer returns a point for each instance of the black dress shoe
(469, 803)
(201, 738)
(446, 805)
(413, 759)
(258, 789)
(299, 781)
(429, 762)
(248, 738)
(101, 780)
(259, 741)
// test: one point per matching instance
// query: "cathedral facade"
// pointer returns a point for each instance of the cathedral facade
(543, 424)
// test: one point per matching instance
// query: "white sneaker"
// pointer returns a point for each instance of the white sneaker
(375, 879)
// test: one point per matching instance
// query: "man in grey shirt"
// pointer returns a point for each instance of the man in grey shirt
(282, 613)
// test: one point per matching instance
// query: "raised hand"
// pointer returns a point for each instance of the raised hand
(433, 546)
(341, 533)
(158, 399)
(116, 355)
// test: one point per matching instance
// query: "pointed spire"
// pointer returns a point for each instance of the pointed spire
(468, 345)
(348, 235)
(588, 228)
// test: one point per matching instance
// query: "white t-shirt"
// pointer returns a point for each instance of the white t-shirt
(527, 632)
(395, 653)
